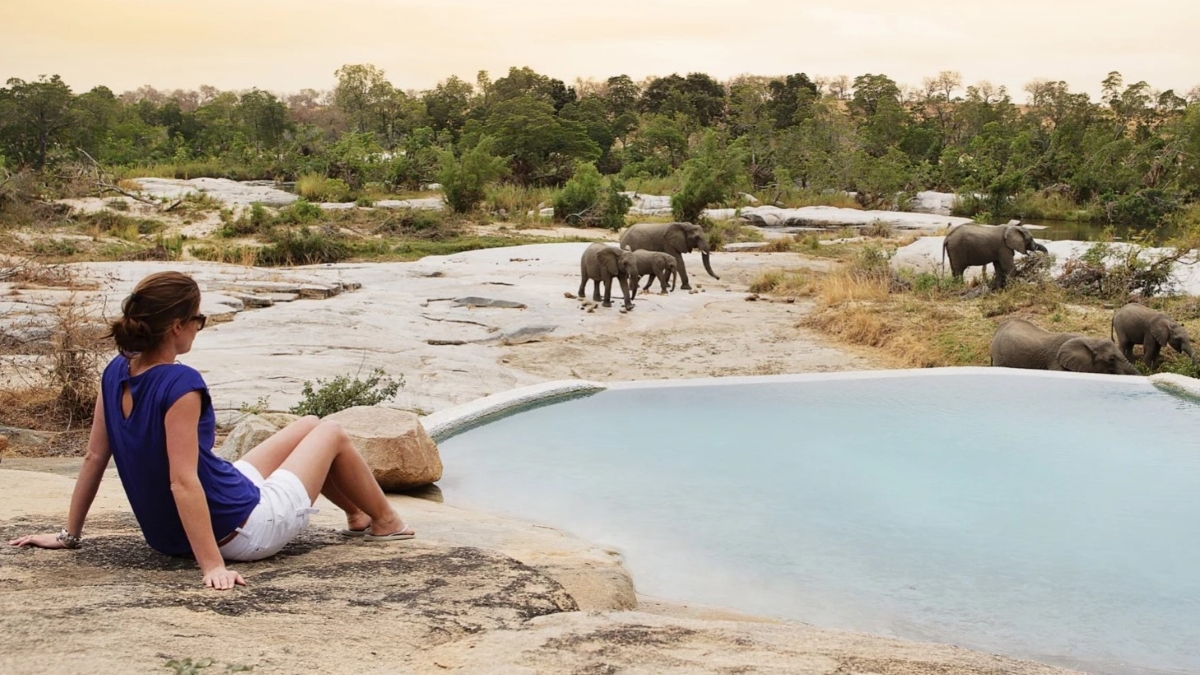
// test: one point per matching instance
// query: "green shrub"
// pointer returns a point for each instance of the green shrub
(257, 220)
(317, 188)
(464, 178)
(304, 246)
(423, 223)
(299, 212)
(590, 200)
(710, 177)
(343, 392)
(1111, 273)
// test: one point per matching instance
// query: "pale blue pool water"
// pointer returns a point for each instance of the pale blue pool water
(1052, 518)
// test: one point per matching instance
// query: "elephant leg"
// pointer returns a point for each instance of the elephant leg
(625, 291)
(1126, 347)
(662, 281)
(649, 280)
(682, 270)
(1150, 353)
(596, 289)
(607, 291)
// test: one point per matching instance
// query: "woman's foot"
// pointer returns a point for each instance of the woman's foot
(357, 525)
(389, 529)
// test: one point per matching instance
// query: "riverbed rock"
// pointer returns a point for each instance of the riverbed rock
(226, 191)
(249, 432)
(476, 301)
(394, 443)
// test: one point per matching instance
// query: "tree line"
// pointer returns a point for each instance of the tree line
(1133, 156)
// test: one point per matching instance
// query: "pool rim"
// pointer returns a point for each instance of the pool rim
(452, 421)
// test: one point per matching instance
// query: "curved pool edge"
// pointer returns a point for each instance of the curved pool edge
(1177, 385)
(985, 371)
(444, 424)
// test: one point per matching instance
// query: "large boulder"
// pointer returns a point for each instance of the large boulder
(249, 432)
(402, 456)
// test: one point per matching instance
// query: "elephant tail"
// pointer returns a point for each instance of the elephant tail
(943, 270)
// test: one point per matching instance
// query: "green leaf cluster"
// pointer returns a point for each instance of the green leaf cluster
(327, 397)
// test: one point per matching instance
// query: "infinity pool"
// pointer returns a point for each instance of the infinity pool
(1047, 517)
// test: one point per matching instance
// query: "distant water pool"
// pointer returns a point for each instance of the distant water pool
(1047, 517)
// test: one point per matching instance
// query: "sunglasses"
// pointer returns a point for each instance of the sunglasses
(201, 319)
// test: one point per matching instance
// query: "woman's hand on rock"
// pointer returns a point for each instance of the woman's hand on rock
(38, 540)
(222, 579)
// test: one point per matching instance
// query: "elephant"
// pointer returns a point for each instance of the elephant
(657, 265)
(971, 245)
(1134, 324)
(600, 263)
(1020, 344)
(673, 238)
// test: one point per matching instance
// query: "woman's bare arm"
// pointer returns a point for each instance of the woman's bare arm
(86, 484)
(183, 454)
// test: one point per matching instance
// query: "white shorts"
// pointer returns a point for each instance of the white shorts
(282, 513)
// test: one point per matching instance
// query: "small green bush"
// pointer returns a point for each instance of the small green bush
(318, 188)
(299, 212)
(464, 178)
(424, 223)
(257, 220)
(343, 392)
(304, 246)
(590, 200)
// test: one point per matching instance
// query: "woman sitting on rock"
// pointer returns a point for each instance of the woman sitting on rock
(155, 418)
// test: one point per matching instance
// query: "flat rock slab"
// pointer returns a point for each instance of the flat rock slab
(475, 301)
(226, 191)
(773, 216)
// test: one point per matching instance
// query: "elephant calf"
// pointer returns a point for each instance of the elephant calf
(1138, 324)
(1020, 344)
(973, 245)
(657, 265)
(601, 263)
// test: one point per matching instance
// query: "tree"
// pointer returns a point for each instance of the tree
(542, 147)
(791, 99)
(447, 105)
(34, 117)
(264, 118)
(711, 176)
(361, 91)
(698, 96)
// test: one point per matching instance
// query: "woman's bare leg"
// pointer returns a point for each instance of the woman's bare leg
(271, 453)
(326, 455)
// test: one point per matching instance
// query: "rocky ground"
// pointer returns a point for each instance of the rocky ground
(473, 593)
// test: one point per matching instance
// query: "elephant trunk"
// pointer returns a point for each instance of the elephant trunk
(1126, 368)
(707, 266)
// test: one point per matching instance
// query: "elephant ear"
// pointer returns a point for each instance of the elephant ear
(1014, 238)
(1161, 331)
(1077, 356)
(677, 238)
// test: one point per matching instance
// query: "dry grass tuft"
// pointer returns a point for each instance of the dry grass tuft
(784, 283)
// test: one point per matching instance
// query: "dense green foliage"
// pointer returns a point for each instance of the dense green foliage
(589, 199)
(1131, 157)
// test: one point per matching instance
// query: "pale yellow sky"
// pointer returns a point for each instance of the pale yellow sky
(287, 45)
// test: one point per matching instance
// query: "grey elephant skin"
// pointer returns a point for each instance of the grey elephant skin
(673, 238)
(600, 264)
(1136, 324)
(975, 245)
(1020, 344)
(654, 265)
